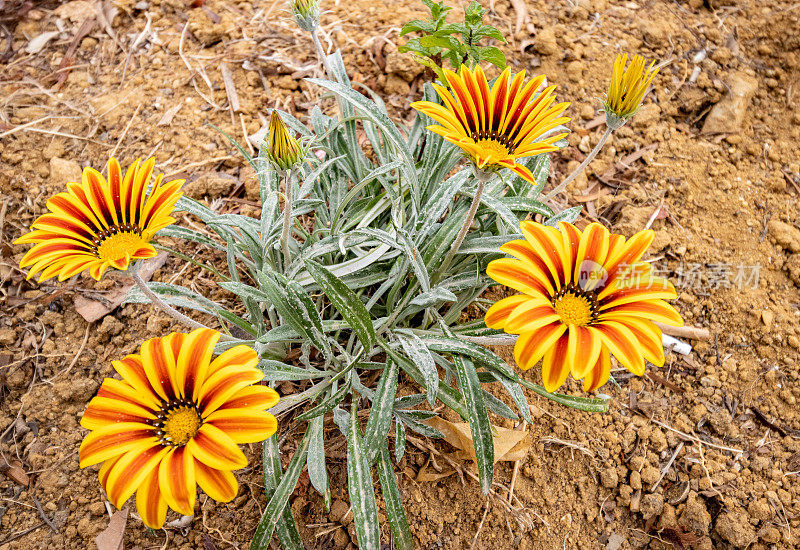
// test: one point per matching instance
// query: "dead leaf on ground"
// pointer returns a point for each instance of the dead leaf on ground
(111, 537)
(15, 472)
(509, 446)
(93, 310)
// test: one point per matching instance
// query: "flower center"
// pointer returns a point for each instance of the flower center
(178, 422)
(494, 142)
(575, 306)
(118, 242)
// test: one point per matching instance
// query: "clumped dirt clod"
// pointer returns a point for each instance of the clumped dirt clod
(704, 455)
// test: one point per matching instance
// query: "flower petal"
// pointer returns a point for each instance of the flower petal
(176, 480)
(131, 469)
(216, 449)
(193, 360)
(112, 440)
(555, 365)
(531, 316)
(244, 425)
(105, 410)
(531, 346)
(583, 351)
(252, 397)
(653, 310)
(158, 362)
(150, 502)
(589, 272)
(220, 485)
(599, 373)
(497, 315)
(623, 344)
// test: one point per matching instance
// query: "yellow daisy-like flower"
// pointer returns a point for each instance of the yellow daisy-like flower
(283, 150)
(99, 223)
(584, 294)
(496, 126)
(628, 87)
(174, 421)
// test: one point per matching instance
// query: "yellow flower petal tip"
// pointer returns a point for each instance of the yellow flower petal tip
(100, 222)
(496, 126)
(283, 150)
(174, 421)
(627, 89)
(584, 295)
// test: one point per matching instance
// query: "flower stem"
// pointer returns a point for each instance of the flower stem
(321, 53)
(287, 219)
(168, 309)
(582, 166)
(483, 178)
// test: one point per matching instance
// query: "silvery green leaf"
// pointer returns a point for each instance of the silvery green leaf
(457, 346)
(399, 441)
(280, 497)
(478, 418)
(401, 534)
(285, 527)
(327, 404)
(486, 245)
(317, 472)
(419, 427)
(416, 350)
(178, 232)
(567, 215)
(359, 487)
(277, 371)
(413, 255)
(346, 301)
(434, 297)
(527, 205)
(498, 407)
(380, 417)
(383, 122)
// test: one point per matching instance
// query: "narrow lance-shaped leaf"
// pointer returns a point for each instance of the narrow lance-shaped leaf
(346, 302)
(478, 418)
(359, 486)
(419, 353)
(380, 417)
(280, 498)
(317, 471)
(394, 506)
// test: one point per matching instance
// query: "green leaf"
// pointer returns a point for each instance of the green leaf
(317, 471)
(399, 440)
(419, 353)
(327, 404)
(417, 25)
(380, 417)
(359, 487)
(276, 371)
(286, 528)
(478, 419)
(401, 534)
(457, 346)
(566, 215)
(444, 42)
(494, 56)
(346, 302)
(312, 322)
(491, 32)
(280, 498)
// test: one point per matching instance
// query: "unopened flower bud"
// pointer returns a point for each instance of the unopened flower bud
(283, 151)
(306, 13)
(628, 86)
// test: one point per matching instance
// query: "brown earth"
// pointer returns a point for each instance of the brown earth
(721, 424)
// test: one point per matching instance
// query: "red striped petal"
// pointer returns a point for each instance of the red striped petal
(244, 425)
(531, 346)
(220, 485)
(176, 480)
(216, 449)
(555, 366)
(150, 502)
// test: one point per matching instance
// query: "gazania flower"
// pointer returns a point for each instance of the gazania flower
(627, 89)
(283, 150)
(99, 223)
(584, 294)
(174, 421)
(496, 126)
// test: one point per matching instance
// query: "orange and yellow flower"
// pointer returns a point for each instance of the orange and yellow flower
(174, 421)
(99, 223)
(498, 125)
(584, 294)
(628, 87)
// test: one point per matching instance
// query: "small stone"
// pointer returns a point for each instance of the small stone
(734, 527)
(7, 336)
(110, 325)
(727, 116)
(650, 475)
(722, 422)
(609, 478)
(340, 512)
(786, 235)
(652, 505)
(211, 185)
(695, 516)
(63, 171)
(545, 42)
(587, 112)
(767, 317)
